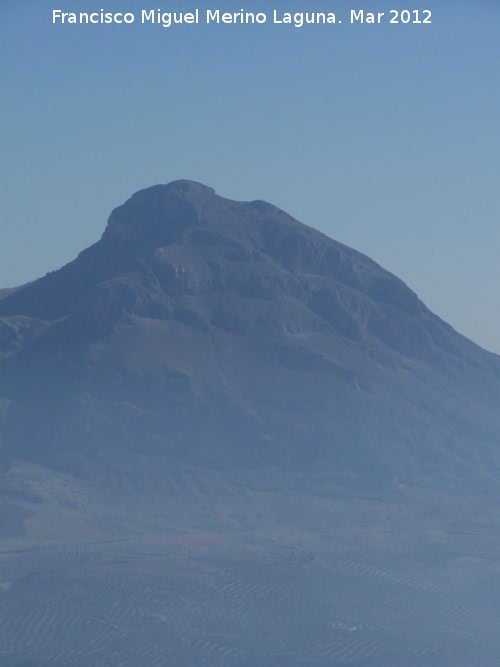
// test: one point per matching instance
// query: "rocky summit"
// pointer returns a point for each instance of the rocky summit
(229, 335)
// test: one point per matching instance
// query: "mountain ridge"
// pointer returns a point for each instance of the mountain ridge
(228, 333)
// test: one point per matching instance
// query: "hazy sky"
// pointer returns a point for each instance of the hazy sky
(384, 137)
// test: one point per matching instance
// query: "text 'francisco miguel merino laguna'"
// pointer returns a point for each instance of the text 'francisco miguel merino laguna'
(168, 19)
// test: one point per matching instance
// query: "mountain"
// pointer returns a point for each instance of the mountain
(230, 441)
(229, 335)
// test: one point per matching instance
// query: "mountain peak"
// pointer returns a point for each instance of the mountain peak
(188, 188)
(182, 187)
(228, 333)
(156, 215)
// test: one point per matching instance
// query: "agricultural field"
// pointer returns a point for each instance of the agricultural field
(275, 597)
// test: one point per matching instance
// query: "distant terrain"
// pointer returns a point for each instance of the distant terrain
(228, 440)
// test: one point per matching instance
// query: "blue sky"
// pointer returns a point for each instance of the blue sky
(384, 137)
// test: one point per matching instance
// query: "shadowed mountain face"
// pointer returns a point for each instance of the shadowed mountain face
(228, 335)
